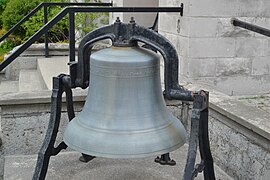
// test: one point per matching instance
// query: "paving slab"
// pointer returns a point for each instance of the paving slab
(67, 166)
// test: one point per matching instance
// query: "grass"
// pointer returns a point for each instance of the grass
(253, 97)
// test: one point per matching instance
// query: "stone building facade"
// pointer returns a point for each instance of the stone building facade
(212, 51)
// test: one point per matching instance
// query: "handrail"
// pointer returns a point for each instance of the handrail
(251, 27)
(45, 5)
(72, 10)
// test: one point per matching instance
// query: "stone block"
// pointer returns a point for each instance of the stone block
(225, 8)
(211, 8)
(202, 67)
(266, 12)
(261, 66)
(184, 46)
(233, 66)
(183, 69)
(267, 47)
(211, 47)
(215, 27)
(252, 8)
(203, 27)
(170, 23)
(251, 47)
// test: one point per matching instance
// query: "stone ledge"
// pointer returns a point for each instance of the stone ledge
(38, 97)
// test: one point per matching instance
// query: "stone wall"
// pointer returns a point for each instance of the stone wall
(212, 51)
(241, 153)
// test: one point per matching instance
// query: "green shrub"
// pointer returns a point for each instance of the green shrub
(5, 47)
(2, 8)
(15, 10)
(58, 33)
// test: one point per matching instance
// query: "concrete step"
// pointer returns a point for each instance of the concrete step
(51, 67)
(2, 75)
(9, 86)
(67, 166)
(30, 80)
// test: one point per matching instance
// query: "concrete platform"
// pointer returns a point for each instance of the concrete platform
(67, 166)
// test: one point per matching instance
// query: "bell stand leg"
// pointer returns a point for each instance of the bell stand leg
(60, 85)
(165, 159)
(86, 158)
(204, 145)
(199, 135)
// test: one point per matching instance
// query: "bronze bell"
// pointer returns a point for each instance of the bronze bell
(125, 115)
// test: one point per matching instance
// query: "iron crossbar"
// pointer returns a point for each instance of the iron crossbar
(251, 27)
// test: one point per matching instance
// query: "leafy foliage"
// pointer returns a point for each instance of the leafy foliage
(15, 10)
(58, 33)
(2, 7)
(5, 47)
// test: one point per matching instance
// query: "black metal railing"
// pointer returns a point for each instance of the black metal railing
(71, 11)
(45, 5)
(251, 27)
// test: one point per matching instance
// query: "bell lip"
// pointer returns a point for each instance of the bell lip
(124, 156)
(72, 143)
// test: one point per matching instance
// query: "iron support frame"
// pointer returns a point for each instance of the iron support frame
(199, 137)
(60, 85)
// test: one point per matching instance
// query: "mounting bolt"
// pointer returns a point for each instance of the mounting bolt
(132, 20)
(117, 20)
